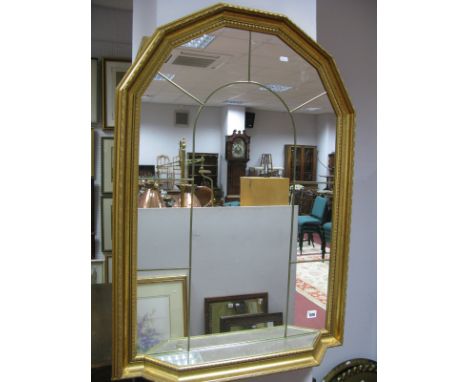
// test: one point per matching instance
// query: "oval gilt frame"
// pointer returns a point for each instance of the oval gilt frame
(125, 362)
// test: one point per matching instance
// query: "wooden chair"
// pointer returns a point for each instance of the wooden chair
(326, 236)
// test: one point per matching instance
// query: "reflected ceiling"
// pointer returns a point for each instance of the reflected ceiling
(226, 59)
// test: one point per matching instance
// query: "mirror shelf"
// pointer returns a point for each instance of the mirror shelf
(232, 346)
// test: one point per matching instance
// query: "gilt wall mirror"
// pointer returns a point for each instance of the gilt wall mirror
(258, 236)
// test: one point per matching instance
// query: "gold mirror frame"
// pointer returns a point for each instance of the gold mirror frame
(125, 362)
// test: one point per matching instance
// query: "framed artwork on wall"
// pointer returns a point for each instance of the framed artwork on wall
(107, 164)
(97, 271)
(106, 223)
(250, 321)
(217, 307)
(108, 267)
(92, 152)
(93, 223)
(113, 70)
(161, 310)
(94, 90)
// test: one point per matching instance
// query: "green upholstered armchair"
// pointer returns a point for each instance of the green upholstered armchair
(312, 223)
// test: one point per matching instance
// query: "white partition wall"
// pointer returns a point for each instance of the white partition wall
(236, 250)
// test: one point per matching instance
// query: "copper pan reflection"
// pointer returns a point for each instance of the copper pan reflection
(150, 198)
(186, 199)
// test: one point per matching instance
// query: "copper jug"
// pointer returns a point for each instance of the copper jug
(149, 197)
(185, 200)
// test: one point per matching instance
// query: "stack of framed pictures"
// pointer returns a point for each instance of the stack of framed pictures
(250, 321)
(239, 312)
(107, 162)
(105, 77)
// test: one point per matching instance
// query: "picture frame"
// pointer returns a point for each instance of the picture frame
(97, 271)
(146, 171)
(107, 164)
(93, 222)
(250, 321)
(106, 223)
(113, 70)
(161, 310)
(92, 152)
(94, 90)
(217, 307)
(108, 267)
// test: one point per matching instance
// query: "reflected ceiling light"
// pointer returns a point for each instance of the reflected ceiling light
(161, 78)
(284, 59)
(313, 108)
(200, 42)
(278, 88)
(233, 102)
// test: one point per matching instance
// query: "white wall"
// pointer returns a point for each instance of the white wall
(326, 137)
(151, 13)
(168, 11)
(171, 10)
(159, 135)
(241, 243)
(272, 130)
(235, 119)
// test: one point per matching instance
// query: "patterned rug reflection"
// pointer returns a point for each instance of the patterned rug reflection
(312, 277)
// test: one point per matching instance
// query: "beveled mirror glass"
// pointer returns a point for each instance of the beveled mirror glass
(234, 155)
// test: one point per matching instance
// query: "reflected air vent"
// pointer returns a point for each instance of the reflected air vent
(181, 118)
(197, 60)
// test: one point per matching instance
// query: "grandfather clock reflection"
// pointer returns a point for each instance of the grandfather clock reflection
(237, 155)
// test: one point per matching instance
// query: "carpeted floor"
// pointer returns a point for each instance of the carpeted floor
(312, 280)
(311, 286)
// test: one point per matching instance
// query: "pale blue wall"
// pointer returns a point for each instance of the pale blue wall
(348, 31)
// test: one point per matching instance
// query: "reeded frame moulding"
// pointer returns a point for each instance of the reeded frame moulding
(125, 362)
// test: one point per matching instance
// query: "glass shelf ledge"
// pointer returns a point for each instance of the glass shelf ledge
(234, 345)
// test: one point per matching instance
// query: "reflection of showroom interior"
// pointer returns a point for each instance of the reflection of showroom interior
(234, 195)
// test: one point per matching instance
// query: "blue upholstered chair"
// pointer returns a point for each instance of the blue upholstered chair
(234, 203)
(312, 223)
(326, 236)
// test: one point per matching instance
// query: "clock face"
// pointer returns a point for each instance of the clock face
(238, 148)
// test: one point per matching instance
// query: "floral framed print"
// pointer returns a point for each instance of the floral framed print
(161, 311)
(106, 223)
(94, 90)
(113, 71)
(107, 164)
(97, 271)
